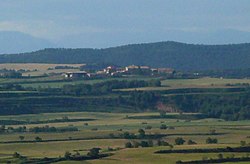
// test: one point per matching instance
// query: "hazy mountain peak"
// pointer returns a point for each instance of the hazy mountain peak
(18, 42)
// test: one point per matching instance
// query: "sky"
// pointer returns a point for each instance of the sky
(104, 23)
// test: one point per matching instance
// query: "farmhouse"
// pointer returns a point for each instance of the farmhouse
(165, 70)
(81, 74)
(145, 67)
(110, 69)
(132, 68)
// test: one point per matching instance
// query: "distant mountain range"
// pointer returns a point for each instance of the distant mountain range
(19, 42)
(105, 39)
(176, 55)
(15, 42)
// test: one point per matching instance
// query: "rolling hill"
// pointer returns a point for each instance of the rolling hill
(180, 56)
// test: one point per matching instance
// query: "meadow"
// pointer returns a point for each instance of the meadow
(228, 133)
(102, 120)
(39, 69)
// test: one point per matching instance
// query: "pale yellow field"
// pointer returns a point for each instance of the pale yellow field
(230, 133)
(41, 68)
(206, 81)
(32, 66)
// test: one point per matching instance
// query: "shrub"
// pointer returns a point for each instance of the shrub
(163, 126)
(141, 133)
(94, 152)
(67, 155)
(150, 143)
(211, 140)
(136, 144)
(171, 128)
(38, 139)
(162, 143)
(16, 155)
(191, 142)
(128, 145)
(21, 138)
(148, 127)
(220, 156)
(212, 131)
(243, 143)
(128, 135)
(144, 144)
(179, 141)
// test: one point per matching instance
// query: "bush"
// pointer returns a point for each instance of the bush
(38, 139)
(191, 142)
(67, 155)
(128, 145)
(162, 143)
(16, 155)
(212, 131)
(136, 144)
(128, 135)
(171, 128)
(144, 144)
(148, 127)
(21, 138)
(179, 141)
(150, 143)
(220, 156)
(163, 126)
(243, 143)
(94, 152)
(211, 140)
(141, 133)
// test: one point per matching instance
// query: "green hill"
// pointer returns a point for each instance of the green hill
(180, 56)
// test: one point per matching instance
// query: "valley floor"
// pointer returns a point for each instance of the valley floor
(99, 132)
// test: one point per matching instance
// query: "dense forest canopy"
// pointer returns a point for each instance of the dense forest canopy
(179, 56)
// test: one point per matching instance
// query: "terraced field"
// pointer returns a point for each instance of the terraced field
(97, 134)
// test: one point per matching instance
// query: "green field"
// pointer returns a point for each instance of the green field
(39, 69)
(59, 81)
(207, 81)
(113, 114)
(230, 133)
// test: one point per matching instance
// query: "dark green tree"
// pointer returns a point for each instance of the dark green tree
(141, 133)
(179, 141)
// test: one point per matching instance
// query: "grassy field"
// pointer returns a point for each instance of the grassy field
(39, 69)
(32, 66)
(230, 133)
(97, 131)
(203, 82)
(59, 81)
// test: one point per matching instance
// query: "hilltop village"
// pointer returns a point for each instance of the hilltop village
(115, 71)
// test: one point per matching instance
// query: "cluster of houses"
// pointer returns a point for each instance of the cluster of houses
(118, 72)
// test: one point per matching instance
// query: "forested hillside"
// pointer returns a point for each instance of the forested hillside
(162, 54)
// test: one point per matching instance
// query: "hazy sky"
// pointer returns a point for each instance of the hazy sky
(112, 21)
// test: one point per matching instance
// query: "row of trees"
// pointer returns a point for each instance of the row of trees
(106, 87)
(36, 129)
(224, 106)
